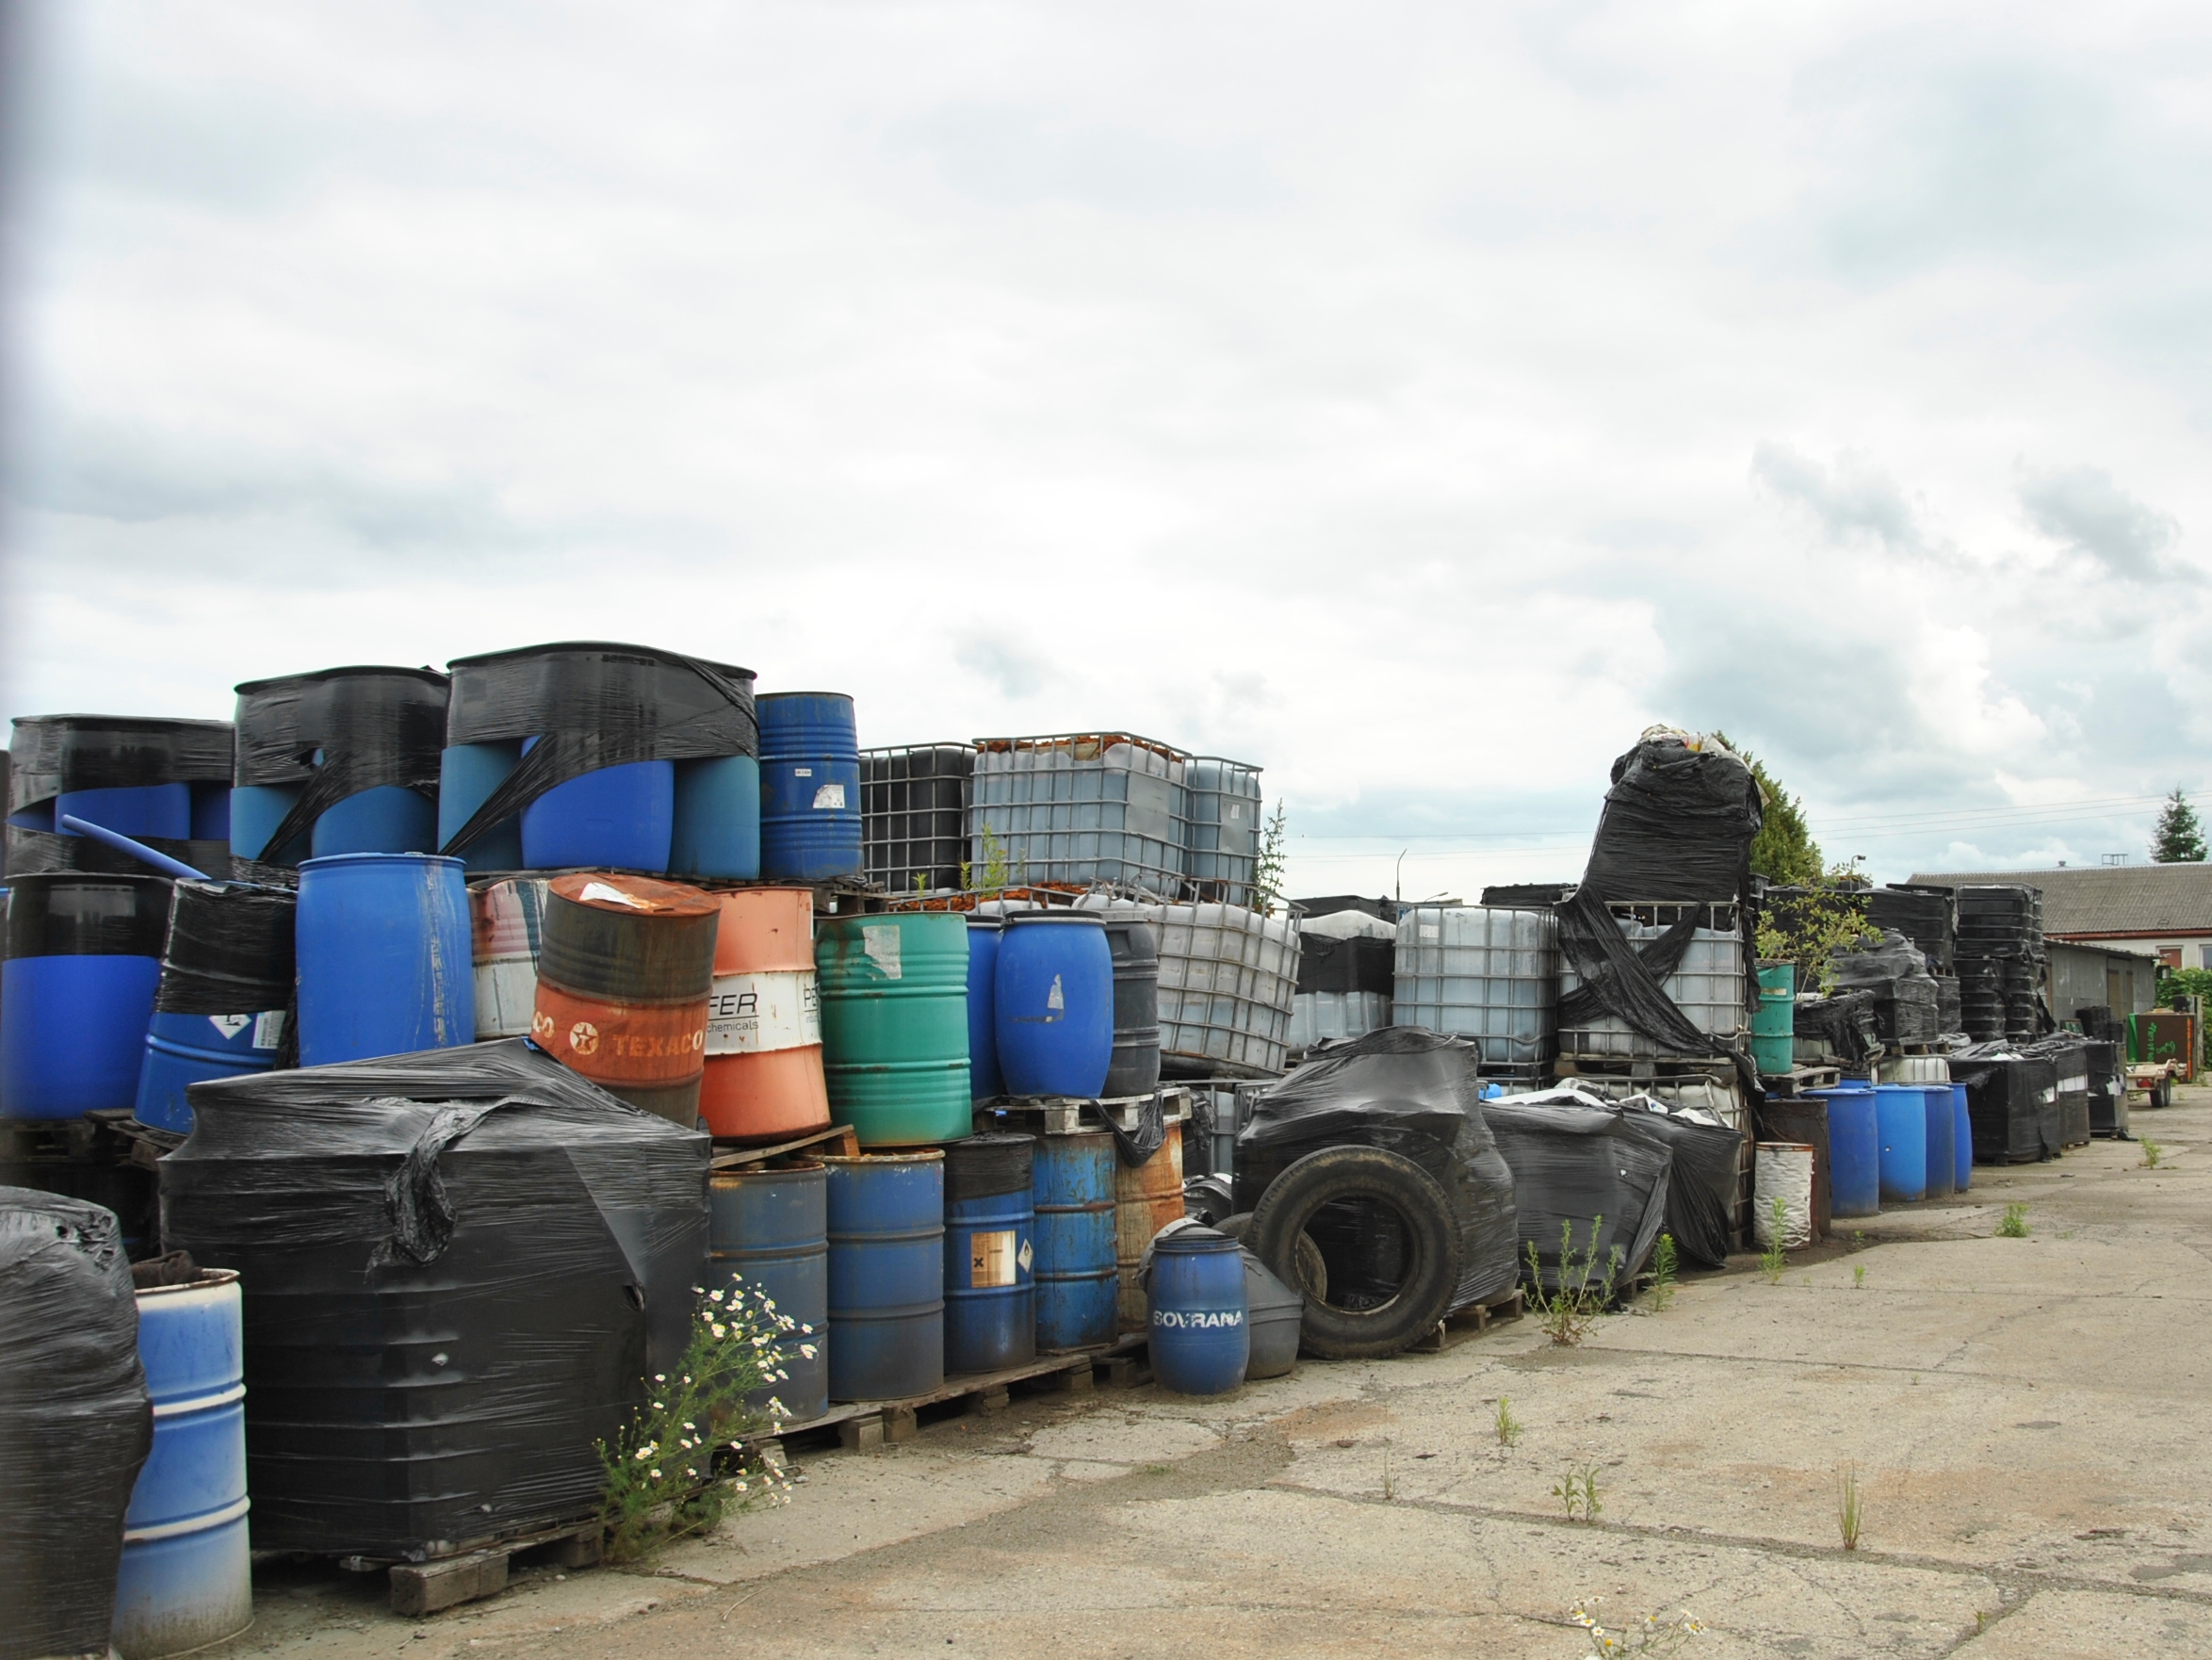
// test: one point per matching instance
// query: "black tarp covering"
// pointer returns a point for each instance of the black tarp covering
(76, 1422)
(593, 704)
(1842, 1023)
(1926, 915)
(1357, 964)
(1409, 1092)
(50, 754)
(2069, 1056)
(1700, 1181)
(1677, 824)
(374, 726)
(229, 950)
(1601, 1170)
(1895, 971)
(458, 1268)
(2107, 1089)
(2013, 1100)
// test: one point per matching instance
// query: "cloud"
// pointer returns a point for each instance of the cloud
(2082, 508)
(1014, 673)
(1853, 502)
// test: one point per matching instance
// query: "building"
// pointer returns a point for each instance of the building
(2162, 911)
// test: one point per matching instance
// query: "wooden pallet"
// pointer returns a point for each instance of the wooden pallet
(865, 1424)
(479, 1569)
(1059, 1114)
(1801, 1081)
(1456, 1329)
(1897, 1048)
(1645, 1068)
(838, 1141)
(1514, 1071)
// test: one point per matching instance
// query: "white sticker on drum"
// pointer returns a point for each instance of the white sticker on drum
(756, 1013)
(881, 942)
(802, 771)
(829, 798)
(991, 1260)
(1056, 998)
(230, 1025)
(1026, 1257)
(614, 896)
(268, 1029)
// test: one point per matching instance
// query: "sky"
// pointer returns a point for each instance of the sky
(1417, 400)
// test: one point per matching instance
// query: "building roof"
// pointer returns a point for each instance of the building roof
(2107, 900)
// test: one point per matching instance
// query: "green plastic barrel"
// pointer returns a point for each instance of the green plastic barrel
(894, 1025)
(1772, 1043)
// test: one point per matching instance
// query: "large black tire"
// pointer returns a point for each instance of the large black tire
(1432, 1236)
(1312, 1277)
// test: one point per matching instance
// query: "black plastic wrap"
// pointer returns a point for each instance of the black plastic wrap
(1895, 971)
(1949, 1009)
(981, 1166)
(1621, 977)
(2069, 1056)
(2013, 1100)
(1843, 1024)
(2107, 1088)
(459, 1266)
(1701, 1183)
(229, 950)
(1409, 1092)
(53, 754)
(1354, 965)
(76, 1422)
(83, 914)
(593, 704)
(1677, 824)
(1926, 916)
(374, 726)
(1601, 1171)
(1525, 896)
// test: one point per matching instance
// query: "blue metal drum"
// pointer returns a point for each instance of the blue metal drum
(982, 1036)
(387, 819)
(1200, 1337)
(1900, 1112)
(1078, 1282)
(1054, 993)
(990, 1251)
(768, 1230)
(76, 990)
(886, 1275)
(186, 1578)
(717, 819)
(1942, 1145)
(185, 1050)
(151, 809)
(620, 818)
(386, 962)
(1962, 1134)
(467, 774)
(810, 786)
(1854, 1150)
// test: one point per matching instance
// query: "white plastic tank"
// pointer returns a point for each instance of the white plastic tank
(1482, 972)
(1707, 987)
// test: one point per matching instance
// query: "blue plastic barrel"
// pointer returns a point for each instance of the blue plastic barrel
(467, 774)
(1962, 1134)
(717, 819)
(149, 809)
(1854, 1150)
(1078, 1283)
(257, 810)
(186, 1576)
(768, 1230)
(983, 1036)
(384, 957)
(620, 818)
(991, 1252)
(1942, 1145)
(1200, 1339)
(810, 786)
(886, 1275)
(387, 819)
(1054, 992)
(185, 1050)
(76, 990)
(1900, 1112)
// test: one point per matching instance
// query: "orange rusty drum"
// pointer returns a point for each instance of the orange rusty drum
(1146, 1199)
(764, 1079)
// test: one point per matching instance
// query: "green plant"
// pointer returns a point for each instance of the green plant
(1858, 1239)
(1857, 1277)
(661, 1480)
(2015, 1223)
(1771, 1260)
(2152, 1152)
(1812, 927)
(1577, 1489)
(2181, 983)
(1568, 1310)
(2179, 839)
(1664, 1263)
(1847, 1504)
(1648, 1636)
(1267, 867)
(1508, 1426)
(998, 871)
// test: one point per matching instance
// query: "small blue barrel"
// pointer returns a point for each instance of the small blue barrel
(1854, 1150)
(186, 1576)
(990, 1250)
(138, 811)
(1079, 1285)
(76, 990)
(717, 819)
(386, 960)
(768, 1230)
(983, 1036)
(386, 819)
(810, 786)
(620, 818)
(886, 1275)
(257, 810)
(1900, 1112)
(467, 774)
(1054, 992)
(1962, 1134)
(1943, 1155)
(1200, 1337)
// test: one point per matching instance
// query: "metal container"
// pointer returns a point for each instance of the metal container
(1147, 1198)
(1227, 976)
(386, 966)
(76, 990)
(914, 815)
(507, 925)
(990, 1253)
(1195, 1313)
(894, 1025)
(763, 1075)
(1707, 987)
(768, 1230)
(886, 1275)
(1481, 973)
(1053, 1004)
(1080, 808)
(186, 1576)
(1077, 1277)
(1221, 828)
(227, 974)
(810, 786)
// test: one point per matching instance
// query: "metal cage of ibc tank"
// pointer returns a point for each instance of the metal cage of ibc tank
(1227, 976)
(1083, 807)
(914, 815)
(1482, 972)
(1707, 985)
(1221, 828)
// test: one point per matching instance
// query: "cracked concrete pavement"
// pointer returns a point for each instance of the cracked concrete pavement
(2020, 1415)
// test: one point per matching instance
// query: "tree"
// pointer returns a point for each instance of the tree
(1783, 851)
(1268, 871)
(2179, 839)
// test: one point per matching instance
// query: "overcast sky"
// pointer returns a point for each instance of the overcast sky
(1417, 400)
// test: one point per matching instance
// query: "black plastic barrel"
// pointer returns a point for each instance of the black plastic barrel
(1135, 1067)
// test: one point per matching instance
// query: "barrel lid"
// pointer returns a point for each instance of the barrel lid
(1193, 1240)
(994, 923)
(634, 895)
(1095, 919)
(921, 1156)
(587, 647)
(429, 676)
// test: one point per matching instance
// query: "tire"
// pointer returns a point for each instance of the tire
(1313, 1270)
(1279, 1221)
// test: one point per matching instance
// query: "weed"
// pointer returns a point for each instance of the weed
(1664, 1263)
(1508, 1426)
(2015, 1223)
(1390, 1490)
(1847, 1504)
(1577, 1488)
(998, 871)
(1771, 1260)
(1158, 1470)
(1568, 1311)
(1648, 1636)
(1267, 868)
(1858, 1239)
(1857, 1277)
(2152, 1152)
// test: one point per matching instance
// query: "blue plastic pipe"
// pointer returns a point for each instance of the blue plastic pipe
(138, 850)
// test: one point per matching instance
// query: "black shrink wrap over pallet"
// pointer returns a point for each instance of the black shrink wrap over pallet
(1600, 1170)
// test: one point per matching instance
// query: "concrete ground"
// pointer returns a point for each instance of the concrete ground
(2024, 1416)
